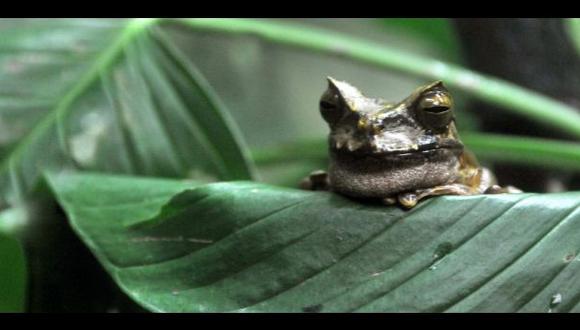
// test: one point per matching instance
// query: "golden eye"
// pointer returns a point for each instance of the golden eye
(435, 109)
(436, 102)
(330, 107)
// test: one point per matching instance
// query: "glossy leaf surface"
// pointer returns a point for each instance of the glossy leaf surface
(242, 246)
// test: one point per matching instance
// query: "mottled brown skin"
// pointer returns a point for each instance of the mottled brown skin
(396, 152)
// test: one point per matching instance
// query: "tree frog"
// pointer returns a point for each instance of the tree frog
(397, 152)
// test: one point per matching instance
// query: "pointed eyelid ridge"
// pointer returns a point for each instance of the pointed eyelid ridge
(417, 95)
(434, 86)
(344, 89)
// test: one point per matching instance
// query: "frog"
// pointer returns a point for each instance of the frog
(397, 152)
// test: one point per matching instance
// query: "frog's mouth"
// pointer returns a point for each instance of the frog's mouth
(416, 150)
(424, 149)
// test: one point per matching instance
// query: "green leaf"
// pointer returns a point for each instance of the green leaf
(12, 275)
(113, 96)
(242, 246)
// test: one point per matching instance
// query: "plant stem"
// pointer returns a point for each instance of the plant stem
(489, 147)
(524, 150)
(573, 28)
(510, 96)
(314, 149)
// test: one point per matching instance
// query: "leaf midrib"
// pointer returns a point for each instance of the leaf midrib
(102, 62)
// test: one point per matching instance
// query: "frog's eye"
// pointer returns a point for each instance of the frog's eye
(327, 105)
(434, 109)
(330, 107)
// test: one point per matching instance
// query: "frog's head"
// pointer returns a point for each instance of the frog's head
(419, 126)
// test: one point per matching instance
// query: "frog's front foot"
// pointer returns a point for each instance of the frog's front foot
(410, 199)
(495, 189)
(317, 180)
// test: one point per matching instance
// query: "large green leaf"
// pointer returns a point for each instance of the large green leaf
(41, 60)
(242, 246)
(114, 96)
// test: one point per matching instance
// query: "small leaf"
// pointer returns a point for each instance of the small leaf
(12, 275)
(242, 246)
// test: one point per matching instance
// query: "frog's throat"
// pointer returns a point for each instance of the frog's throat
(385, 176)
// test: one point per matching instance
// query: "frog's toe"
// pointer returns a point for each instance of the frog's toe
(513, 190)
(408, 200)
(317, 180)
(495, 189)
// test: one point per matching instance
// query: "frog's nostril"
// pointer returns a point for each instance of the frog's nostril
(363, 123)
